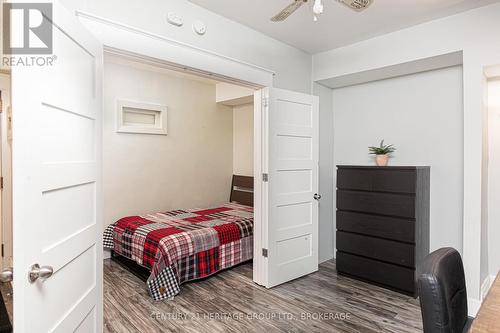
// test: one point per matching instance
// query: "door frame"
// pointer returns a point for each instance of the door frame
(260, 202)
(258, 156)
(124, 38)
(6, 172)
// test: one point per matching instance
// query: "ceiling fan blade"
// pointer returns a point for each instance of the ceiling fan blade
(357, 5)
(289, 10)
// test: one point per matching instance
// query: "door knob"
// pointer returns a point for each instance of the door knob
(317, 196)
(43, 273)
(6, 275)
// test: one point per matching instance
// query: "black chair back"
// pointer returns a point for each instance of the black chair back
(442, 292)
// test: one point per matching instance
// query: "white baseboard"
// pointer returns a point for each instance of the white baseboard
(106, 254)
(485, 287)
(321, 260)
(475, 304)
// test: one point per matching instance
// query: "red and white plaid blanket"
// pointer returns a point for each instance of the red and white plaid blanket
(183, 245)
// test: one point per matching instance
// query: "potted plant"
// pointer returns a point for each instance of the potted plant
(382, 153)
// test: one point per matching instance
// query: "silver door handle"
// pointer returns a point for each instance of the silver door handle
(317, 196)
(36, 272)
(6, 275)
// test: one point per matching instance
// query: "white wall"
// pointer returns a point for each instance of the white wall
(226, 37)
(243, 140)
(326, 173)
(471, 33)
(411, 112)
(494, 177)
(190, 167)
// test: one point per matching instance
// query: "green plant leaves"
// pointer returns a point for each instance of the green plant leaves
(382, 149)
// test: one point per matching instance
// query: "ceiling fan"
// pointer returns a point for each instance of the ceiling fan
(357, 5)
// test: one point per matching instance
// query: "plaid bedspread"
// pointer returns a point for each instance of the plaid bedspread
(183, 245)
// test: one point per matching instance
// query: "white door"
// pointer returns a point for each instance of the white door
(57, 185)
(287, 237)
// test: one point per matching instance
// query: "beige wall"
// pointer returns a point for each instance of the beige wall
(243, 140)
(190, 167)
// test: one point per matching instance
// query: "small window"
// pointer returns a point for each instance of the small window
(142, 118)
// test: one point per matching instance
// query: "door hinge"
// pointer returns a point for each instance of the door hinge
(2, 250)
(265, 102)
(264, 253)
(1, 183)
(265, 177)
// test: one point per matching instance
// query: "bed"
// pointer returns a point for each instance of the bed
(183, 245)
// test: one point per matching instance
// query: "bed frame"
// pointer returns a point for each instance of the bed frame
(241, 192)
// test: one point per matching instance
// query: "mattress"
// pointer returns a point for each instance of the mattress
(183, 245)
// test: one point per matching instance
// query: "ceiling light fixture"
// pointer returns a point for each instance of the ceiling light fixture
(317, 9)
(357, 5)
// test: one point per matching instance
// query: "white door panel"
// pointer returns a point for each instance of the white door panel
(290, 151)
(57, 184)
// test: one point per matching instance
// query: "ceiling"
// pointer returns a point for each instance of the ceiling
(339, 25)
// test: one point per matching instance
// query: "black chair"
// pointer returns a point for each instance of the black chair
(442, 292)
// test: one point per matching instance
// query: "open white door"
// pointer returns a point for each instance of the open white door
(287, 157)
(57, 185)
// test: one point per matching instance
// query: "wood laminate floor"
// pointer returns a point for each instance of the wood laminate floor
(231, 302)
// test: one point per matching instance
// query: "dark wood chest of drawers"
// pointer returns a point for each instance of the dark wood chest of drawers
(382, 224)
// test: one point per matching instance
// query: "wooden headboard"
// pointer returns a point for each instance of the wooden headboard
(242, 190)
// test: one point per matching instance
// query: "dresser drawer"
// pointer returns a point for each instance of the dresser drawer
(379, 226)
(393, 276)
(377, 248)
(381, 180)
(399, 205)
